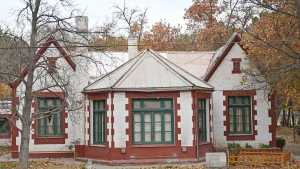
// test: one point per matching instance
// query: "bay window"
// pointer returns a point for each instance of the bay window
(153, 121)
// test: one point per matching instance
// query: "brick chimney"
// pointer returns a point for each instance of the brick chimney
(132, 46)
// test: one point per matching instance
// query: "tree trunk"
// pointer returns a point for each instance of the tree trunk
(26, 121)
(283, 118)
(24, 149)
(297, 2)
(289, 118)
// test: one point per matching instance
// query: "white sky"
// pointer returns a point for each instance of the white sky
(99, 11)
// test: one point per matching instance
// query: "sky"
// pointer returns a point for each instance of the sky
(100, 11)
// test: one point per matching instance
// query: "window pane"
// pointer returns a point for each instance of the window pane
(99, 105)
(168, 104)
(4, 126)
(137, 117)
(167, 117)
(151, 104)
(137, 137)
(167, 126)
(157, 117)
(136, 104)
(137, 127)
(147, 127)
(157, 127)
(168, 136)
(147, 136)
(147, 117)
(157, 136)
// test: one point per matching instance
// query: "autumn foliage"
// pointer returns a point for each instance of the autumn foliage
(273, 46)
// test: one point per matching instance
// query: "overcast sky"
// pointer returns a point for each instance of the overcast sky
(99, 11)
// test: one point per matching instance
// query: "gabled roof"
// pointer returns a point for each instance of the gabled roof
(148, 71)
(221, 54)
(39, 53)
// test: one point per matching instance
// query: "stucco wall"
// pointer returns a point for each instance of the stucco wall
(120, 124)
(223, 79)
(186, 114)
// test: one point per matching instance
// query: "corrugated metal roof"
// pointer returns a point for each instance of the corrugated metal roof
(146, 72)
(195, 62)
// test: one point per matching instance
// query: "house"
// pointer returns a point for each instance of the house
(175, 105)
(155, 106)
(5, 113)
(56, 107)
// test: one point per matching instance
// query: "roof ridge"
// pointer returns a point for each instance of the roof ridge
(128, 72)
(158, 56)
(183, 70)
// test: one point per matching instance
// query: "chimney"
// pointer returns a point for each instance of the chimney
(82, 25)
(132, 46)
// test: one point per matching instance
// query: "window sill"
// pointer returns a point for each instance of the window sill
(153, 145)
(204, 143)
(233, 137)
(49, 140)
(99, 145)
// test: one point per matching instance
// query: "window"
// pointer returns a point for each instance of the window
(202, 120)
(236, 65)
(49, 117)
(240, 114)
(4, 126)
(99, 121)
(153, 121)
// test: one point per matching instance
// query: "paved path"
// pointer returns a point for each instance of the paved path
(294, 149)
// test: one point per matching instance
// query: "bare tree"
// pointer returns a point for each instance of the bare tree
(42, 19)
(134, 19)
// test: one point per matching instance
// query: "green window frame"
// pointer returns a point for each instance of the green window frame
(202, 128)
(49, 117)
(152, 121)
(240, 115)
(4, 126)
(99, 121)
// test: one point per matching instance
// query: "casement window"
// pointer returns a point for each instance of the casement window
(99, 121)
(236, 65)
(49, 117)
(202, 120)
(153, 121)
(4, 126)
(239, 114)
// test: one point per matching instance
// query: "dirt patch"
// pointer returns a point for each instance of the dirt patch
(4, 150)
(288, 135)
(42, 164)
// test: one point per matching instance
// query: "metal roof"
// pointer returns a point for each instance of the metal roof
(148, 71)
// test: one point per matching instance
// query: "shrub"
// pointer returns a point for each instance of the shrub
(264, 146)
(248, 146)
(280, 142)
(234, 148)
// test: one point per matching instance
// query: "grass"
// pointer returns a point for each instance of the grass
(42, 164)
